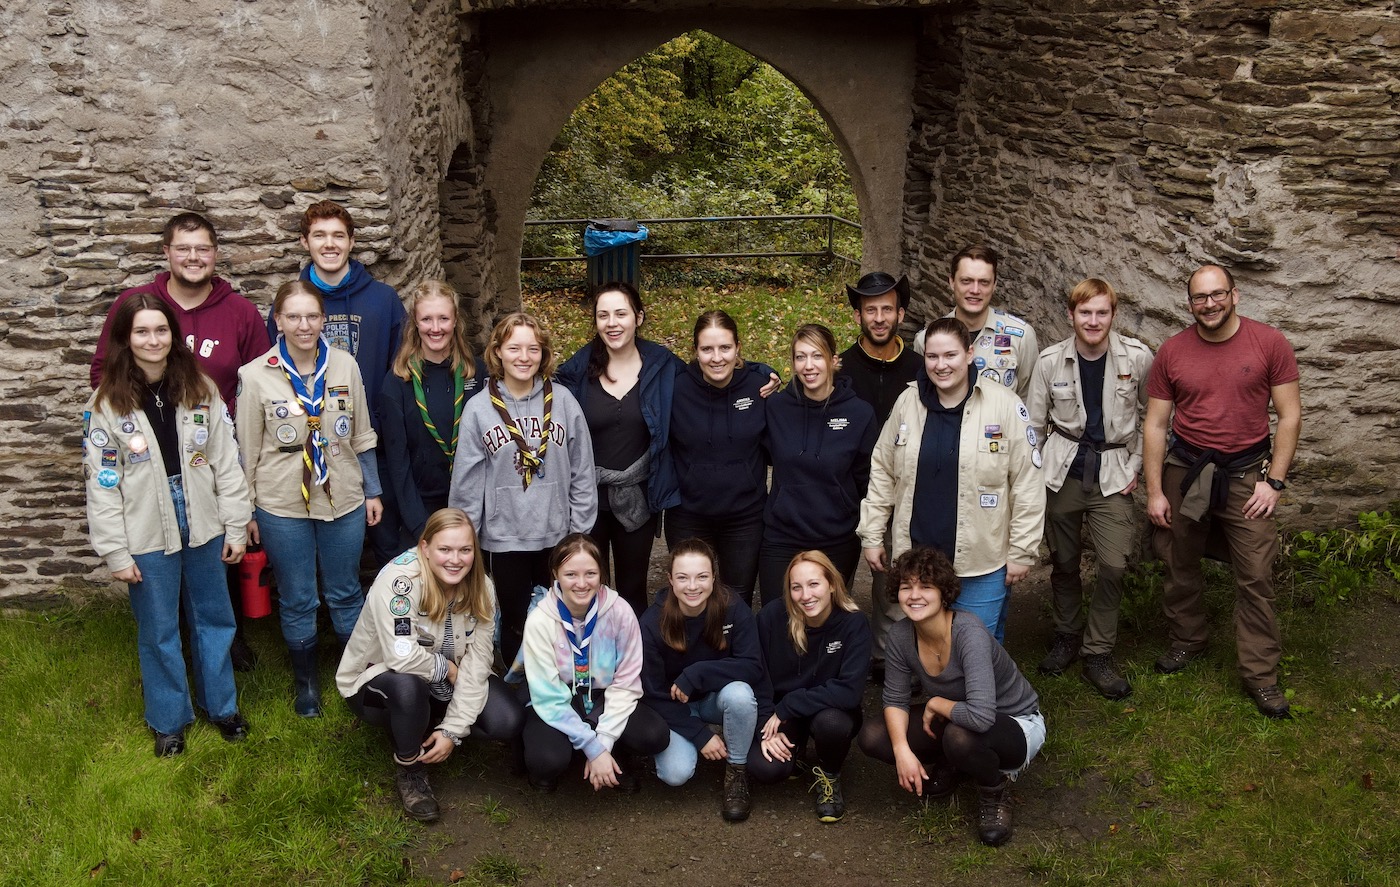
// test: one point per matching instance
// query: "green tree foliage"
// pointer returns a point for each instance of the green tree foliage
(697, 127)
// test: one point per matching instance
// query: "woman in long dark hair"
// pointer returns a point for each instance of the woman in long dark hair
(701, 662)
(420, 403)
(421, 656)
(718, 418)
(816, 649)
(624, 384)
(819, 436)
(308, 450)
(166, 501)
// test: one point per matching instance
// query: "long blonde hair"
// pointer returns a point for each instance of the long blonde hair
(797, 625)
(471, 595)
(412, 345)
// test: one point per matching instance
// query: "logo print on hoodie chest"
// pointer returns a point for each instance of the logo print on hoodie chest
(743, 404)
(837, 424)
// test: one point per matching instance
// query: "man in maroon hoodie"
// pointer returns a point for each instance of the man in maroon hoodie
(222, 328)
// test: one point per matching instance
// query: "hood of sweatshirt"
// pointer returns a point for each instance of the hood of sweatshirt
(815, 411)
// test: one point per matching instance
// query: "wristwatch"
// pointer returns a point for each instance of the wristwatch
(1278, 485)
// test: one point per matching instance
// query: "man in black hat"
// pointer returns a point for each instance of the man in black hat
(880, 367)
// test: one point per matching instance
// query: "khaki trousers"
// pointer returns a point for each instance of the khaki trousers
(1253, 546)
(1110, 520)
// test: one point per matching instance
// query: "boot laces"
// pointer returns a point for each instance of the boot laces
(826, 788)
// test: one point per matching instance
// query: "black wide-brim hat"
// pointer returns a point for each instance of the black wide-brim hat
(877, 283)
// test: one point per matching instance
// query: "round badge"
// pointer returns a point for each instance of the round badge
(286, 433)
(402, 646)
(99, 437)
(137, 443)
(228, 418)
(979, 363)
(281, 412)
(342, 426)
(1010, 379)
(1022, 411)
(1030, 437)
(296, 409)
(128, 426)
(107, 478)
(399, 605)
(402, 585)
(201, 436)
(272, 361)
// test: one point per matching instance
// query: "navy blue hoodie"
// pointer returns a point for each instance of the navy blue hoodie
(820, 451)
(363, 317)
(717, 442)
(831, 674)
(701, 669)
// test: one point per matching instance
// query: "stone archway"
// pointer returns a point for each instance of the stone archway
(856, 67)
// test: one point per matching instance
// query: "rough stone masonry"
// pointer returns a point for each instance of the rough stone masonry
(1125, 140)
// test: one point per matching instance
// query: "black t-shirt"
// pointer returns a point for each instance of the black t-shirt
(934, 521)
(620, 435)
(1091, 389)
(163, 425)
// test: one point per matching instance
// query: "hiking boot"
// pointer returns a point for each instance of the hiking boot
(942, 782)
(1175, 659)
(736, 793)
(1063, 650)
(831, 806)
(169, 744)
(994, 814)
(307, 680)
(415, 793)
(1270, 701)
(1100, 673)
(232, 728)
(244, 659)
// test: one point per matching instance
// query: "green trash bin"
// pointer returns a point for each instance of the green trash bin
(614, 251)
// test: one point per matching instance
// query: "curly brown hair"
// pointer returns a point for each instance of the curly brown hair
(929, 567)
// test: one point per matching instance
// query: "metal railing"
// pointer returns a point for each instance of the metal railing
(829, 226)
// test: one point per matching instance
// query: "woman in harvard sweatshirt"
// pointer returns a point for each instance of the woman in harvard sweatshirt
(523, 470)
(717, 422)
(583, 664)
(701, 663)
(816, 647)
(819, 436)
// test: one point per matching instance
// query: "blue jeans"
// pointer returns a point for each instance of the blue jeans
(735, 710)
(988, 598)
(295, 545)
(155, 602)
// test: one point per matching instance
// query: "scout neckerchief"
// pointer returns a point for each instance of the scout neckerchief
(583, 680)
(531, 461)
(314, 469)
(459, 384)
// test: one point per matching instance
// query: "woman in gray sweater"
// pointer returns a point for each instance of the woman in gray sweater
(524, 468)
(982, 717)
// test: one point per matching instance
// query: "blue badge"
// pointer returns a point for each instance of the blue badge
(1009, 377)
(107, 478)
(109, 458)
(979, 363)
(407, 557)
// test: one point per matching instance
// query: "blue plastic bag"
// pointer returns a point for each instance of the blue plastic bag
(597, 241)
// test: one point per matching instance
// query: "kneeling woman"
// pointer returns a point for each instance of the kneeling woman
(583, 665)
(421, 654)
(816, 645)
(701, 663)
(982, 717)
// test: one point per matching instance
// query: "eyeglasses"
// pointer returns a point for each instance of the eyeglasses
(201, 251)
(299, 319)
(1218, 297)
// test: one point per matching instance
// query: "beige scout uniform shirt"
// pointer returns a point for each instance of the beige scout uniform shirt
(272, 431)
(1057, 402)
(1004, 351)
(129, 507)
(394, 634)
(1001, 494)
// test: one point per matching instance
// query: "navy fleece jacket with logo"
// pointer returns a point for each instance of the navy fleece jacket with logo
(831, 674)
(717, 442)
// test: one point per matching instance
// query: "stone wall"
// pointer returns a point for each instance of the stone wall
(117, 115)
(1135, 141)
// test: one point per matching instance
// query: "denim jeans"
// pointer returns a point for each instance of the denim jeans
(155, 603)
(295, 545)
(988, 598)
(735, 710)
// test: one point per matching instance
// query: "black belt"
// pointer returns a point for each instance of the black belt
(1090, 476)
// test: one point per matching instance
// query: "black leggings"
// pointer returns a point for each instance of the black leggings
(983, 756)
(831, 731)
(548, 752)
(516, 573)
(630, 556)
(401, 703)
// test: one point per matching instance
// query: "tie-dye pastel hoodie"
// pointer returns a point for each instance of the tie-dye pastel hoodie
(614, 662)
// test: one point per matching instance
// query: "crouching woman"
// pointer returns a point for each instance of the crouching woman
(982, 718)
(421, 654)
(701, 661)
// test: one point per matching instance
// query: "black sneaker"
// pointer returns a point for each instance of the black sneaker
(232, 728)
(831, 806)
(169, 744)
(1063, 650)
(1175, 659)
(1100, 673)
(416, 794)
(1270, 701)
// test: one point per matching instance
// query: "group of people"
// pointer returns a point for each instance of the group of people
(512, 503)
